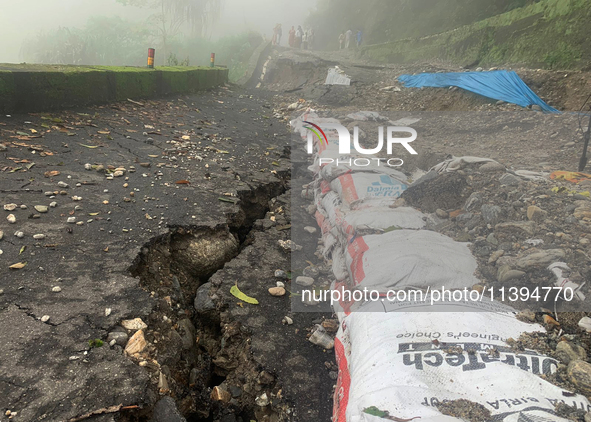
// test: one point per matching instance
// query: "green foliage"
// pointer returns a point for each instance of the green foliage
(103, 41)
(95, 343)
(563, 57)
(546, 33)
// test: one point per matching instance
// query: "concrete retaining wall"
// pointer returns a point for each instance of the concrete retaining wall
(31, 88)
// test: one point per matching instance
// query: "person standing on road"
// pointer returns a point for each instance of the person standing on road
(341, 40)
(305, 40)
(298, 37)
(279, 33)
(359, 38)
(348, 36)
(310, 39)
(292, 33)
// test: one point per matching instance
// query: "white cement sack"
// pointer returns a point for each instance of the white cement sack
(409, 258)
(355, 188)
(406, 363)
(364, 221)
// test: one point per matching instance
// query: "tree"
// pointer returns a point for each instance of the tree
(172, 15)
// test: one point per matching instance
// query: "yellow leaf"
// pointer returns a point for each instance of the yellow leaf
(18, 266)
(238, 294)
(89, 146)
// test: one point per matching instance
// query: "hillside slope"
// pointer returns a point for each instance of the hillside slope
(550, 34)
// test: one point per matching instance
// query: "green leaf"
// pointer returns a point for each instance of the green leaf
(221, 198)
(238, 294)
(22, 250)
(89, 146)
(374, 411)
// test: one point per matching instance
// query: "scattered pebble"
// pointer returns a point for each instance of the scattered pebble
(304, 281)
(56, 289)
(11, 218)
(10, 207)
(45, 318)
(71, 220)
(41, 208)
(277, 291)
(38, 236)
(19, 234)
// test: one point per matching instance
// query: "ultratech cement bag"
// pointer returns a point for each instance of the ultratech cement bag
(353, 188)
(404, 364)
(409, 258)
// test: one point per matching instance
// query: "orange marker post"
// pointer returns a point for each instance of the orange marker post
(212, 64)
(151, 55)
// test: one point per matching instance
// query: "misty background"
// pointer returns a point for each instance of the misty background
(185, 32)
(108, 32)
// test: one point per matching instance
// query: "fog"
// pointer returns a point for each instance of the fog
(24, 19)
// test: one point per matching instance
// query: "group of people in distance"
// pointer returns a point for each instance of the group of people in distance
(298, 38)
(304, 39)
(346, 37)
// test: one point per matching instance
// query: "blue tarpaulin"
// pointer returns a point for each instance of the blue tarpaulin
(499, 84)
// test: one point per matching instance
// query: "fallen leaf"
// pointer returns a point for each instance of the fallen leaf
(22, 249)
(226, 200)
(18, 266)
(103, 132)
(89, 146)
(235, 291)
(52, 173)
(183, 182)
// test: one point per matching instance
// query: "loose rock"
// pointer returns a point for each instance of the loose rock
(277, 291)
(134, 324)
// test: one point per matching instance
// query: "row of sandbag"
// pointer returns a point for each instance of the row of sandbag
(395, 364)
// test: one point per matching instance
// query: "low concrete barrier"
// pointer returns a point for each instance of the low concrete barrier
(31, 88)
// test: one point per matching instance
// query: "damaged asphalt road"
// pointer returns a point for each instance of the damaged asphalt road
(106, 199)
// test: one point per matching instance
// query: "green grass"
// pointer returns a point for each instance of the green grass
(550, 34)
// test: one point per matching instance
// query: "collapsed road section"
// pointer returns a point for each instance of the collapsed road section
(118, 222)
